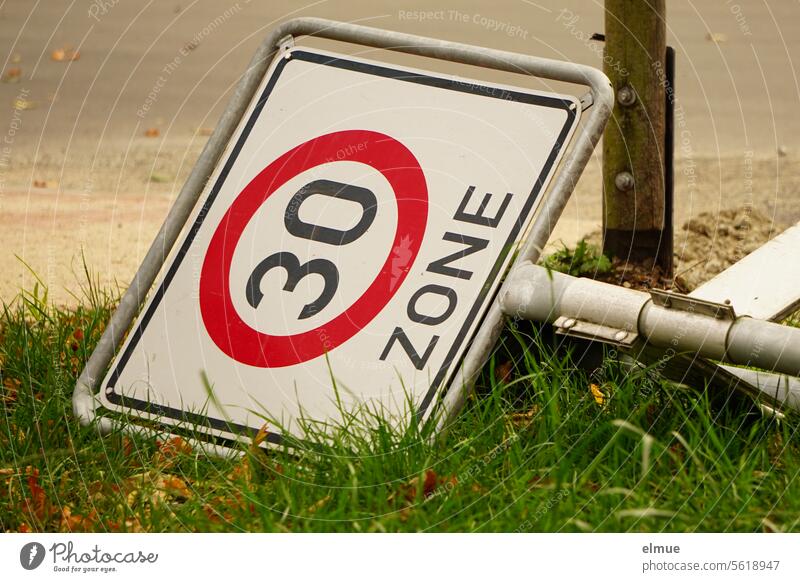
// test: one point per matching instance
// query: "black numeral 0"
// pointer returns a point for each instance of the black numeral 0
(301, 229)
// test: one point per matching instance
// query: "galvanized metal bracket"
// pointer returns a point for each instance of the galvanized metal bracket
(587, 100)
(285, 44)
(681, 302)
(595, 332)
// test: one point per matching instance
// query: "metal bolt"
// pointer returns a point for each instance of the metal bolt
(623, 181)
(626, 96)
(570, 323)
(620, 335)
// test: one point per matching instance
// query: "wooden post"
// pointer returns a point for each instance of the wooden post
(633, 144)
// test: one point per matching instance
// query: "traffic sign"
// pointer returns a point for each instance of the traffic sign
(345, 249)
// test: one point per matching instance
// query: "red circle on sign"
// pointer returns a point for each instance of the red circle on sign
(252, 347)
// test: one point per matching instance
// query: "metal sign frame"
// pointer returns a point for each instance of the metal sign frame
(600, 98)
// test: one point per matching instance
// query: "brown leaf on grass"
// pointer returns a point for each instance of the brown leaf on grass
(431, 485)
(75, 522)
(152, 132)
(599, 395)
(169, 450)
(242, 472)
(523, 419)
(155, 488)
(212, 514)
(9, 392)
(261, 436)
(174, 487)
(37, 503)
(65, 54)
(226, 507)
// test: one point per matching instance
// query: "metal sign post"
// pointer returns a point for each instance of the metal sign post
(348, 222)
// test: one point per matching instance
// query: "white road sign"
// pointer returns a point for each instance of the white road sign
(355, 231)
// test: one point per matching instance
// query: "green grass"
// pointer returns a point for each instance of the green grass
(534, 450)
(585, 260)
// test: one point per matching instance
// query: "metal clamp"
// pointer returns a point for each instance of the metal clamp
(286, 43)
(595, 332)
(681, 302)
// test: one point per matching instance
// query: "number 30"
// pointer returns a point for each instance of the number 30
(297, 227)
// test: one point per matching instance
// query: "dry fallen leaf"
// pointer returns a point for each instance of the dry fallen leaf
(169, 450)
(75, 522)
(8, 394)
(261, 436)
(152, 132)
(431, 484)
(242, 472)
(599, 395)
(37, 502)
(65, 54)
(523, 419)
(12, 75)
(174, 486)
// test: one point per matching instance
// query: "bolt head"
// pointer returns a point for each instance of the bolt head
(624, 181)
(626, 96)
(570, 323)
(620, 335)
